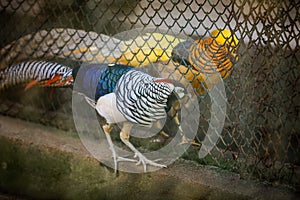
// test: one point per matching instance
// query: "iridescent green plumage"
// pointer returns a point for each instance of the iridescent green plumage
(97, 80)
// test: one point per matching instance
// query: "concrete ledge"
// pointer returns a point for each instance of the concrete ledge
(44, 163)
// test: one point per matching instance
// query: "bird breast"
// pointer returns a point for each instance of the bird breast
(106, 107)
(210, 57)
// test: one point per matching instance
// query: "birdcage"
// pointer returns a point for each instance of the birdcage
(260, 138)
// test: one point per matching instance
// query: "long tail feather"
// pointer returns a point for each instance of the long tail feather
(74, 44)
(43, 73)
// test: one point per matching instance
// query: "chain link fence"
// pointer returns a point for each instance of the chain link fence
(262, 129)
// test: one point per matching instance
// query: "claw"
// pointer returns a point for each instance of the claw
(164, 134)
(184, 140)
(194, 143)
(123, 159)
(124, 136)
(145, 161)
(141, 158)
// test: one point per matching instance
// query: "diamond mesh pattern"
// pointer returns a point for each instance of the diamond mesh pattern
(262, 130)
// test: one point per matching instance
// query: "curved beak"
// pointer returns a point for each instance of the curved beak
(180, 91)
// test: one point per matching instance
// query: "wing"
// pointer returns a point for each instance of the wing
(140, 99)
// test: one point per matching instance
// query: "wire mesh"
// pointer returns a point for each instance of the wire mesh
(261, 134)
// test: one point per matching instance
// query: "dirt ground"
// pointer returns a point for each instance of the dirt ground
(43, 162)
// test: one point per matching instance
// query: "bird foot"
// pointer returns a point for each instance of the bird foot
(164, 134)
(118, 159)
(145, 161)
(194, 143)
(184, 140)
(141, 158)
(123, 159)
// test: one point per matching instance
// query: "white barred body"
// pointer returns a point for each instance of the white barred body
(142, 98)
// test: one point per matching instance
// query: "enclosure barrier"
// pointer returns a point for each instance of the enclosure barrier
(260, 138)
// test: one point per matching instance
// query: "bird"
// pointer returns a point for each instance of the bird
(123, 94)
(201, 62)
(198, 61)
(32, 73)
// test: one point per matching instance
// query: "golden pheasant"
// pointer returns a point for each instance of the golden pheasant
(201, 58)
(202, 61)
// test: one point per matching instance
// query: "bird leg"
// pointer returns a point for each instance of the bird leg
(142, 159)
(184, 140)
(173, 112)
(107, 129)
(163, 133)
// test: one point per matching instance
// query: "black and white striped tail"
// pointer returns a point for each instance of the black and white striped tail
(32, 70)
